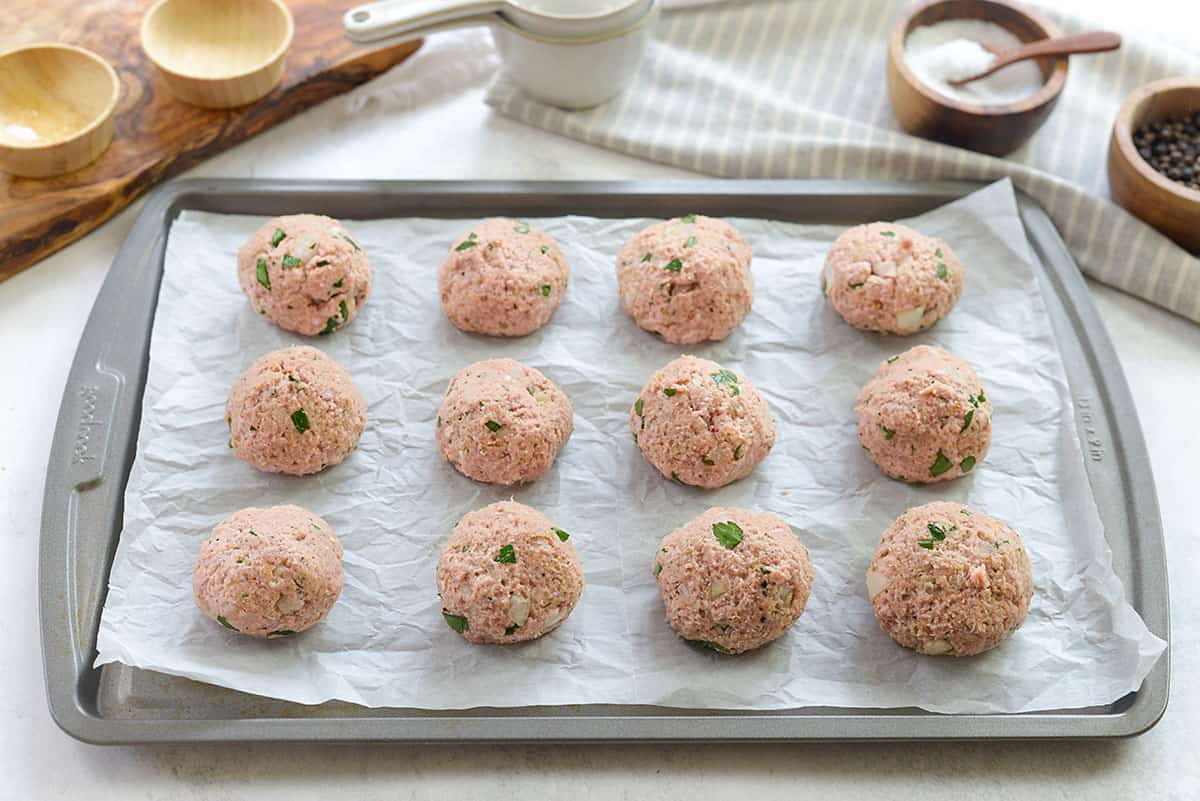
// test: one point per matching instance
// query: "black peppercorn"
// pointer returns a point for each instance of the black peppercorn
(1172, 148)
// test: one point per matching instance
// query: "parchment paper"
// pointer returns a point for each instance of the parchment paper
(394, 501)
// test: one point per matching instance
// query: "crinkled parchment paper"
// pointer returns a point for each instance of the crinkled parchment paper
(394, 501)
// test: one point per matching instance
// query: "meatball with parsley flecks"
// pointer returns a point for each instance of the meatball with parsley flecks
(305, 273)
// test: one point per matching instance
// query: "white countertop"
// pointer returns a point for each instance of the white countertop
(42, 313)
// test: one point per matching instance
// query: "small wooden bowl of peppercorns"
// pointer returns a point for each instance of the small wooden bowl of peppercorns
(1154, 158)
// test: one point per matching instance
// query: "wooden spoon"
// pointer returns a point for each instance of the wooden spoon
(1091, 42)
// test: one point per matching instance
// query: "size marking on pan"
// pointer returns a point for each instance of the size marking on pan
(1091, 438)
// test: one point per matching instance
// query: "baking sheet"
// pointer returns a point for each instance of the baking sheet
(394, 501)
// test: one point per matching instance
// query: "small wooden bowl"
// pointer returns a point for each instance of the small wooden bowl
(218, 53)
(996, 130)
(1168, 205)
(56, 109)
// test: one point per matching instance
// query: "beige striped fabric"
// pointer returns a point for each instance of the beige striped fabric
(797, 89)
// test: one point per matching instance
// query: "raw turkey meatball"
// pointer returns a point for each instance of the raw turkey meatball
(305, 273)
(507, 574)
(733, 579)
(701, 424)
(686, 279)
(924, 417)
(502, 422)
(889, 278)
(269, 572)
(294, 411)
(504, 278)
(949, 580)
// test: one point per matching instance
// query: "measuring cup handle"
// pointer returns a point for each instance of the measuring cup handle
(393, 18)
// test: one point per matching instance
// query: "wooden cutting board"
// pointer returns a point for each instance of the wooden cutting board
(157, 135)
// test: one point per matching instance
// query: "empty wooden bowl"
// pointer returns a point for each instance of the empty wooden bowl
(56, 109)
(1168, 205)
(218, 53)
(993, 129)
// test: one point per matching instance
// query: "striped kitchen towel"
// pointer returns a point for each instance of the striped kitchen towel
(797, 89)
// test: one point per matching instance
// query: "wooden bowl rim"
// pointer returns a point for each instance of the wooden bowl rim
(275, 55)
(1049, 92)
(100, 119)
(1123, 135)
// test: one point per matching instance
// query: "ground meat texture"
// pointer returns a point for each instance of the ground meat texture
(507, 575)
(305, 273)
(733, 579)
(502, 278)
(889, 278)
(294, 411)
(925, 417)
(701, 424)
(269, 572)
(949, 580)
(686, 279)
(502, 422)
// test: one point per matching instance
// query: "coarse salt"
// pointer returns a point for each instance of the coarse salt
(954, 50)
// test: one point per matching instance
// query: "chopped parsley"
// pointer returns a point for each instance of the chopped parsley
(290, 261)
(300, 421)
(670, 391)
(439, 421)
(331, 325)
(708, 461)
(673, 266)
(967, 420)
(737, 452)
(675, 477)
(493, 426)
(937, 532)
(280, 633)
(766, 571)
(938, 253)
(729, 379)
(927, 544)
(521, 228)
(647, 257)
(638, 406)
(277, 237)
(689, 242)
(263, 277)
(728, 533)
(221, 619)
(888, 433)
(942, 272)
(353, 244)
(716, 646)
(546, 290)
(940, 465)
(338, 283)
(324, 263)
(893, 359)
(688, 218)
(456, 622)
(293, 379)
(657, 568)
(966, 464)
(345, 312)
(507, 555)
(545, 249)
(508, 632)
(888, 234)
(981, 398)
(856, 284)
(469, 242)
(965, 512)
(562, 535)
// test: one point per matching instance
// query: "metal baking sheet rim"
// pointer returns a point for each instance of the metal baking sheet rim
(95, 440)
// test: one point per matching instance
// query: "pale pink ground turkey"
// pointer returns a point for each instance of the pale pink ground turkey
(507, 574)
(925, 417)
(503, 278)
(305, 273)
(887, 277)
(733, 579)
(269, 572)
(947, 579)
(502, 422)
(686, 279)
(294, 411)
(701, 424)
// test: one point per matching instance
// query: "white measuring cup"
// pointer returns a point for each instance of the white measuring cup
(569, 53)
